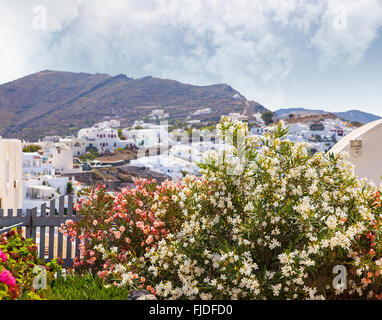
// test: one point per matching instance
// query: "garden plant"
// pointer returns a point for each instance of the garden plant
(265, 220)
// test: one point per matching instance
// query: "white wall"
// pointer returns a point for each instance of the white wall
(35, 164)
(62, 158)
(10, 174)
(368, 164)
(104, 139)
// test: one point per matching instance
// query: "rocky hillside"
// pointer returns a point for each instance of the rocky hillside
(60, 103)
(351, 115)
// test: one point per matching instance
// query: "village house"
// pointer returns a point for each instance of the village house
(77, 145)
(36, 164)
(148, 137)
(39, 189)
(102, 137)
(171, 166)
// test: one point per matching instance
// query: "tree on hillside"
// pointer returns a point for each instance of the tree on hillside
(31, 148)
(267, 117)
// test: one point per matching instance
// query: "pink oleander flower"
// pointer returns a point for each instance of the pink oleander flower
(3, 256)
(7, 278)
(149, 239)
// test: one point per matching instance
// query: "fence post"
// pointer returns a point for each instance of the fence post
(46, 220)
(28, 223)
(42, 234)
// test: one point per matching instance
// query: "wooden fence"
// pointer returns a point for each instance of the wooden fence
(43, 226)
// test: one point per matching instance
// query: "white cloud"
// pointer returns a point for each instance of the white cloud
(253, 45)
(347, 30)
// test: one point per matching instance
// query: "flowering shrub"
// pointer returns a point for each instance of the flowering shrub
(269, 221)
(18, 259)
(266, 220)
(116, 231)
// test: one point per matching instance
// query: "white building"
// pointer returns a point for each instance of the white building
(364, 148)
(202, 111)
(192, 122)
(299, 130)
(158, 114)
(238, 116)
(77, 145)
(102, 138)
(61, 157)
(257, 130)
(10, 174)
(148, 137)
(52, 158)
(329, 129)
(171, 166)
(108, 124)
(258, 117)
(40, 189)
(36, 164)
(194, 152)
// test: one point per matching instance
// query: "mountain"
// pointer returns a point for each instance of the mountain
(357, 116)
(60, 103)
(284, 113)
(352, 115)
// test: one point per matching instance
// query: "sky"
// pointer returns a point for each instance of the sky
(323, 54)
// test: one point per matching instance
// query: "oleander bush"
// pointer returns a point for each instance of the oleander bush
(266, 220)
(19, 268)
(117, 231)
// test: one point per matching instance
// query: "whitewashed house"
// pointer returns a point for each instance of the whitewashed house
(158, 114)
(258, 118)
(77, 145)
(238, 116)
(148, 137)
(257, 130)
(108, 124)
(10, 174)
(40, 189)
(61, 157)
(35, 164)
(202, 111)
(171, 166)
(194, 152)
(299, 130)
(104, 139)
